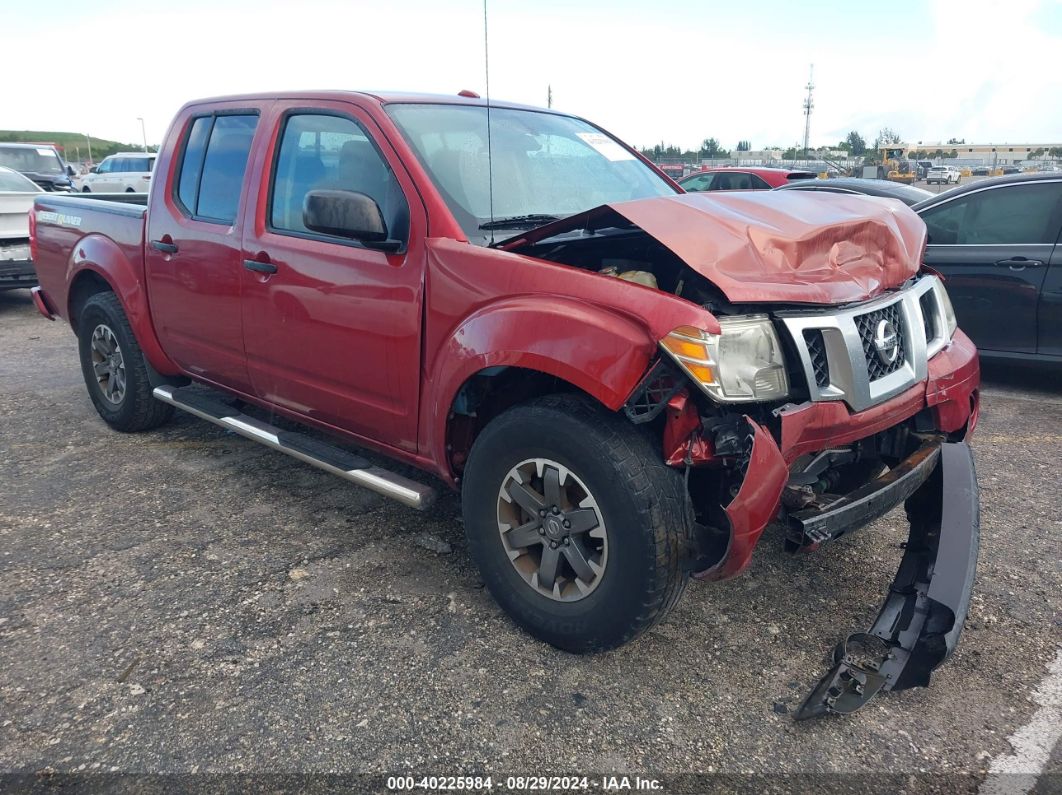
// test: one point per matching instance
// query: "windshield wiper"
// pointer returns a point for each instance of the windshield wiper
(519, 221)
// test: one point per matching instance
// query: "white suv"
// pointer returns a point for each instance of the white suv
(125, 172)
(943, 175)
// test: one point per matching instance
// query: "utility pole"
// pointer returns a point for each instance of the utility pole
(143, 130)
(549, 96)
(809, 105)
(89, 142)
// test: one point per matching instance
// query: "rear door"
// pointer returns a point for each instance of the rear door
(193, 254)
(332, 328)
(994, 246)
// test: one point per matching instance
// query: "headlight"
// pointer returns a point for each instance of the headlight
(945, 303)
(743, 363)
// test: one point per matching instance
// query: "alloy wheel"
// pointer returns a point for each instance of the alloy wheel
(108, 365)
(552, 530)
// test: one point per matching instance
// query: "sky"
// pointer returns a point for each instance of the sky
(676, 71)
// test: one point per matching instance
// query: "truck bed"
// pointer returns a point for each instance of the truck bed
(73, 229)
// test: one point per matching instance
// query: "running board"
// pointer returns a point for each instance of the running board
(316, 453)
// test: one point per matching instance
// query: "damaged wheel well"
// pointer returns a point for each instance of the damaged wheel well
(485, 395)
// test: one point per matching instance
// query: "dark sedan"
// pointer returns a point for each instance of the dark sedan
(870, 187)
(997, 244)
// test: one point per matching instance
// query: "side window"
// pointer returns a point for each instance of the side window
(106, 167)
(944, 223)
(724, 181)
(213, 164)
(192, 163)
(702, 182)
(1009, 215)
(756, 183)
(319, 152)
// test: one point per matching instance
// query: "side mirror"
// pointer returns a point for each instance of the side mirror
(350, 214)
(94, 170)
(70, 171)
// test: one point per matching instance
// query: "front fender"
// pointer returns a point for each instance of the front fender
(116, 266)
(600, 352)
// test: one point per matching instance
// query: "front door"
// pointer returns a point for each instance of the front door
(193, 257)
(993, 247)
(332, 327)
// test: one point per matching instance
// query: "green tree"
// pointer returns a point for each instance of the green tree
(856, 145)
(790, 154)
(744, 146)
(711, 148)
(956, 141)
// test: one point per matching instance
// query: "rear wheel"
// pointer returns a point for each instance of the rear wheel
(86, 189)
(579, 529)
(114, 367)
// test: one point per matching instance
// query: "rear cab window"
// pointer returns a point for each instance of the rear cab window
(213, 162)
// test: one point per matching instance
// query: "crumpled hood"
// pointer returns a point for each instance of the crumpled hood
(768, 246)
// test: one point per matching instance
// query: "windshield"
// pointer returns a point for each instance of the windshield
(545, 166)
(40, 160)
(13, 182)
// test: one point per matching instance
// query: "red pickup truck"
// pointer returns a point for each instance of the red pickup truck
(628, 384)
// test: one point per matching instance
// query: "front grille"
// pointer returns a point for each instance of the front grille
(867, 325)
(817, 350)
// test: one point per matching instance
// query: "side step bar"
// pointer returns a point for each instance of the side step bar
(316, 453)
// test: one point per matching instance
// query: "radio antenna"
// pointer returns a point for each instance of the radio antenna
(490, 159)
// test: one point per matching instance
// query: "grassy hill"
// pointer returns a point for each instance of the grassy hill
(74, 146)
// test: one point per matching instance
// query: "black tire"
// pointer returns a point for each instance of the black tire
(642, 502)
(86, 189)
(137, 410)
(130, 190)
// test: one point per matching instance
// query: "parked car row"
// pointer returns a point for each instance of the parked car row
(16, 199)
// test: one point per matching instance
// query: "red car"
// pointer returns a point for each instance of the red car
(736, 178)
(626, 383)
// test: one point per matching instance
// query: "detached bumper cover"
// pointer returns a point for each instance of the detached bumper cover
(919, 624)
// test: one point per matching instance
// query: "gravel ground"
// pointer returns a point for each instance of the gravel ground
(186, 601)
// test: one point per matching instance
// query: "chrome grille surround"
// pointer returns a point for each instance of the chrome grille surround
(852, 375)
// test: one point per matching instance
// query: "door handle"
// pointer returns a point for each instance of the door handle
(164, 247)
(259, 267)
(1019, 263)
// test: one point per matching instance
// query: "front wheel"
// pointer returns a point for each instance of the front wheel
(579, 529)
(114, 367)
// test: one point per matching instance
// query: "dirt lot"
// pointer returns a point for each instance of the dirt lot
(186, 601)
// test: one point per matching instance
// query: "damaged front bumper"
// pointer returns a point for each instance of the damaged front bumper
(919, 624)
